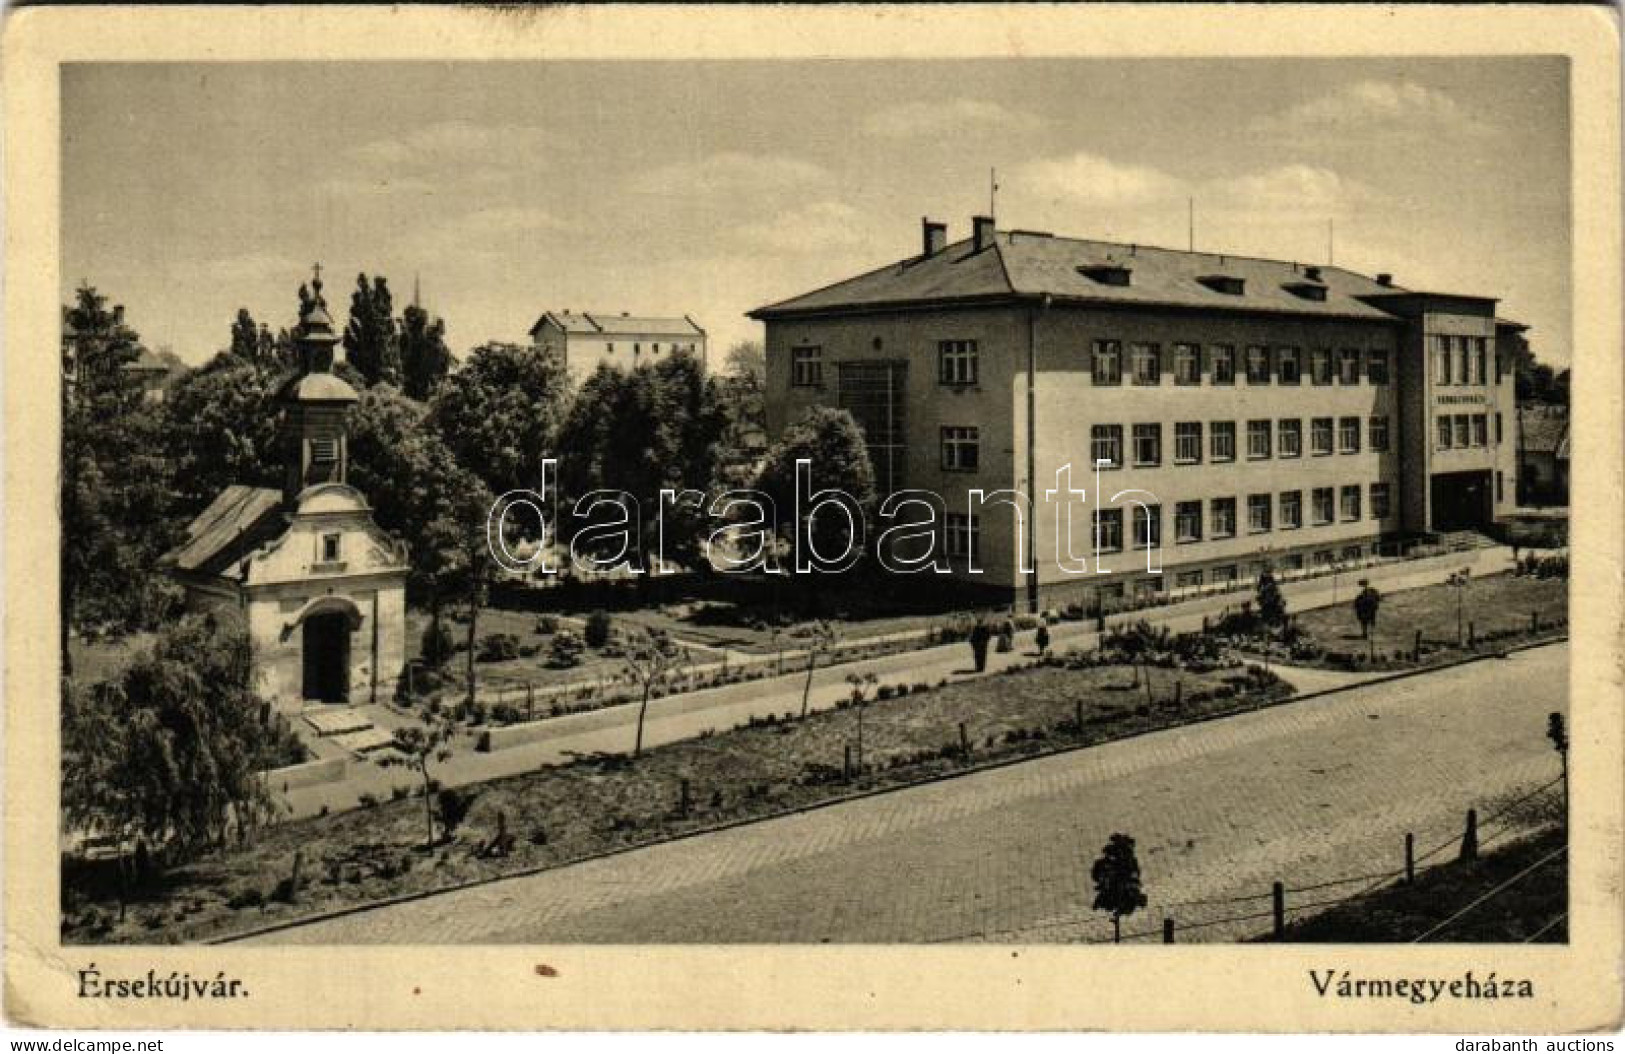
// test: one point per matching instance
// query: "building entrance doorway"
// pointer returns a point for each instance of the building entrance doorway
(327, 657)
(1463, 501)
(873, 392)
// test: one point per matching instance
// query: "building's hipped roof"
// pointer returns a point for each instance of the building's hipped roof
(237, 521)
(611, 324)
(1545, 432)
(1030, 264)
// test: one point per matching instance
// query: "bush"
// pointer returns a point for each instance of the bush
(498, 647)
(248, 897)
(452, 806)
(437, 645)
(568, 650)
(599, 626)
(548, 624)
(368, 800)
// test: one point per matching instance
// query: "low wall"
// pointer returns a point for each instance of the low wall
(308, 774)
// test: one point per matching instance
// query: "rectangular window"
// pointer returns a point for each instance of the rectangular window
(1381, 501)
(1258, 439)
(1498, 436)
(332, 548)
(1187, 579)
(1500, 494)
(1320, 365)
(1463, 365)
(1107, 362)
(1377, 434)
(1351, 502)
(1222, 442)
(1320, 435)
(1348, 366)
(1352, 553)
(1223, 575)
(1289, 437)
(962, 536)
(1187, 364)
(1348, 435)
(1292, 562)
(1187, 442)
(1444, 432)
(1106, 444)
(1290, 368)
(1258, 364)
(1188, 521)
(1148, 444)
(807, 366)
(1291, 509)
(1376, 366)
(1321, 509)
(1258, 512)
(1481, 430)
(1147, 527)
(1480, 360)
(1463, 431)
(1441, 360)
(1224, 364)
(1224, 517)
(956, 362)
(1147, 363)
(961, 448)
(1109, 530)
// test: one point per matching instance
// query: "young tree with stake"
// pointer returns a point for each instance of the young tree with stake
(651, 659)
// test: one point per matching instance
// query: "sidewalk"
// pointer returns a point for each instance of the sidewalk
(690, 714)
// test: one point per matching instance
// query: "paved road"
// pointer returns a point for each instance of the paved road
(1305, 793)
(688, 715)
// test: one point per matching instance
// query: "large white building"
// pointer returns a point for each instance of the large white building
(624, 341)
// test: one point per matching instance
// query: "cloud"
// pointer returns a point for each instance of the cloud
(1089, 179)
(1376, 106)
(816, 227)
(1296, 187)
(458, 143)
(730, 172)
(941, 117)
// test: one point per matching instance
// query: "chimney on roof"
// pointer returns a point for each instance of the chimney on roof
(1312, 273)
(1385, 279)
(983, 229)
(934, 236)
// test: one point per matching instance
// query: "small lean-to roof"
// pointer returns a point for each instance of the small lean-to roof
(236, 521)
(1022, 264)
(603, 323)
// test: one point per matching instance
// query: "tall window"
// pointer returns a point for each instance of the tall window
(332, 548)
(1481, 430)
(1289, 437)
(961, 448)
(1109, 530)
(1258, 512)
(1348, 366)
(1147, 363)
(1147, 527)
(1258, 439)
(807, 367)
(1188, 521)
(1321, 508)
(956, 362)
(1441, 359)
(1290, 368)
(1348, 435)
(1351, 502)
(1224, 363)
(1480, 357)
(1320, 435)
(1444, 432)
(1291, 509)
(1224, 517)
(1107, 362)
(1381, 501)
(1187, 364)
(1148, 444)
(1258, 364)
(1498, 437)
(1320, 365)
(1187, 442)
(1376, 366)
(1377, 434)
(1463, 430)
(962, 536)
(1222, 445)
(1106, 444)
(1463, 365)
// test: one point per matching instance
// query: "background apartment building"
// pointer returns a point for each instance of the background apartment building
(588, 338)
(1269, 411)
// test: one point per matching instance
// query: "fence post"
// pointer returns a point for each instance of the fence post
(1167, 930)
(1416, 649)
(846, 763)
(1077, 713)
(1472, 635)
(964, 741)
(682, 798)
(1278, 904)
(1534, 622)
(1410, 858)
(530, 701)
(1469, 839)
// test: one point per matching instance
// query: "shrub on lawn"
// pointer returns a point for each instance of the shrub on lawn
(498, 647)
(437, 645)
(452, 806)
(547, 624)
(598, 628)
(567, 651)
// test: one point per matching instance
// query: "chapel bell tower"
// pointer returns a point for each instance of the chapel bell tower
(314, 403)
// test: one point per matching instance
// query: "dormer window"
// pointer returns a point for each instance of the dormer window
(1306, 290)
(1106, 274)
(1227, 284)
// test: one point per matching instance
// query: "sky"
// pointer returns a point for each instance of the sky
(711, 188)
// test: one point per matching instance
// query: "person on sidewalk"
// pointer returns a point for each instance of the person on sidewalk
(980, 636)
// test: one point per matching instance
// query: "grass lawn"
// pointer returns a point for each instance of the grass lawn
(566, 813)
(1495, 605)
(1401, 913)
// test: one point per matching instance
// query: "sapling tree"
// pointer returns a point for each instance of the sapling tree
(861, 685)
(419, 746)
(651, 659)
(821, 639)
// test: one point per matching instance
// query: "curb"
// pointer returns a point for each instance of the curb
(779, 814)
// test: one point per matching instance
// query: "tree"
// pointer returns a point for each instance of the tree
(651, 659)
(369, 338)
(833, 443)
(1271, 603)
(417, 747)
(860, 685)
(1557, 731)
(1116, 876)
(221, 428)
(499, 413)
(425, 359)
(747, 362)
(821, 638)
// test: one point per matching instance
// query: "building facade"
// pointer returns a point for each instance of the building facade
(321, 587)
(1245, 412)
(624, 341)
